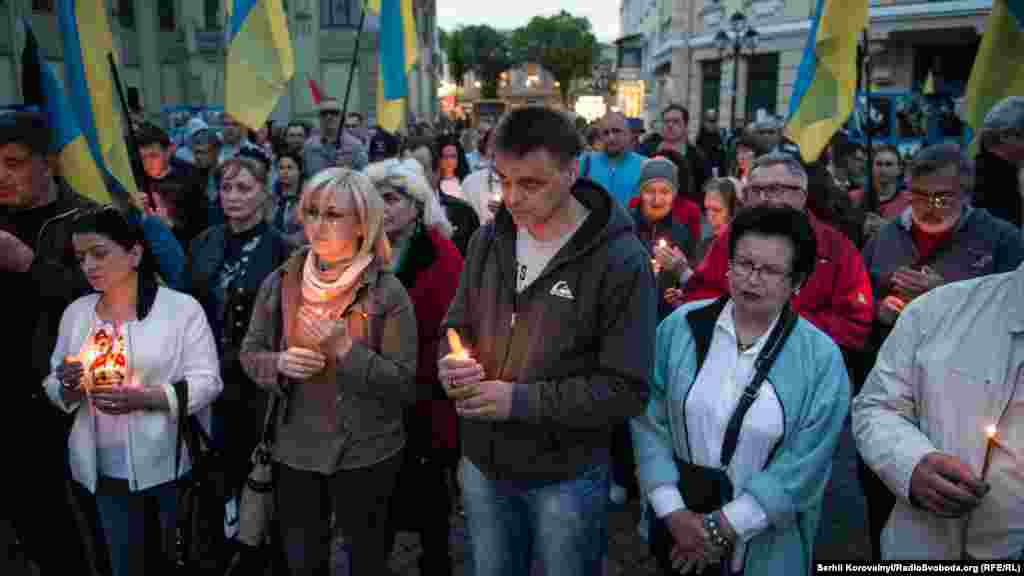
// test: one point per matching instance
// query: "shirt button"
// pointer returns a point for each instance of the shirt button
(240, 290)
(238, 308)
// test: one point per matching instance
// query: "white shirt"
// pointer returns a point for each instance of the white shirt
(452, 187)
(533, 256)
(953, 365)
(708, 408)
(479, 188)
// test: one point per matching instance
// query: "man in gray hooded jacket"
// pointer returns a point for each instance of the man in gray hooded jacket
(557, 307)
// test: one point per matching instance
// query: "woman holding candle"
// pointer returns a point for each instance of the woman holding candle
(737, 484)
(120, 350)
(667, 240)
(428, 264)
(333, 334)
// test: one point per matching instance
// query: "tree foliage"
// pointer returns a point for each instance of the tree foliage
(563, 44)
(452, 44)
(487, 53)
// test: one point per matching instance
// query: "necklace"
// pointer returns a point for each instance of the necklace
(744, 347)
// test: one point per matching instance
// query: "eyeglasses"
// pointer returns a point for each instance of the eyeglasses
(612, 131)
(771, 191)
(314, 216)
(886, 164)
(928, 200)
(330, 113)
(743, 268)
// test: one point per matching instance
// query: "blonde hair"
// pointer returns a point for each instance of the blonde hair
(338, 183)
(407, 177)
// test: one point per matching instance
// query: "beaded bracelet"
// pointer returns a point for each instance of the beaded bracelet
(715, 531)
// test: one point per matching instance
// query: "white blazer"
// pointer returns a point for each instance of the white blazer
(172, 343)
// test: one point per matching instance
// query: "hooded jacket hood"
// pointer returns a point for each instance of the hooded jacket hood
(607, 221)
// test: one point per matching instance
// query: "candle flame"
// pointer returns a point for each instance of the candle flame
(662, 243)
(990, 431)
(455, 343)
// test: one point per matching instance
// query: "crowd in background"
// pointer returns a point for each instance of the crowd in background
(626, 300)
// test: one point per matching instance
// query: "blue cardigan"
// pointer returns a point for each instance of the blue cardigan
(810, 380)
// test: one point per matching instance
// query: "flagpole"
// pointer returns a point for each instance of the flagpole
(133, 149)
(870, 194)
(351, 73)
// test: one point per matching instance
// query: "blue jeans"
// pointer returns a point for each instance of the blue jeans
(563, 526)
(129, 536)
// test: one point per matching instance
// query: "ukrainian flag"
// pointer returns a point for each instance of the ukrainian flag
(398, 51)
(42, 89)
(998, 69)
(260, 62)
(826, 84)
(87, 45)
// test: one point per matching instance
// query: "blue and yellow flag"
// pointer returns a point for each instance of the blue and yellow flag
(826, 84)
(260, 62)
(998, 69)
(87, 44)
(41, 88)
(398, 51)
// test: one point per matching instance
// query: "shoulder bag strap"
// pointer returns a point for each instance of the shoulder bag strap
(269, 418)
(181, 391)
(586, 165)
(762, 365)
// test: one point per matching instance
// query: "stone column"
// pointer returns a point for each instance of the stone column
(147, 27)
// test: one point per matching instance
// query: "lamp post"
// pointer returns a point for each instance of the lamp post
(741, 36)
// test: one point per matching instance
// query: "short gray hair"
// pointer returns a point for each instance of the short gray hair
(1005, 119)
(778, 158)
(936, 157)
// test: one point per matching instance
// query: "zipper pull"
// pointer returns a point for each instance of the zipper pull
(512, 324)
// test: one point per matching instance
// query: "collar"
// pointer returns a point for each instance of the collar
(726, 323)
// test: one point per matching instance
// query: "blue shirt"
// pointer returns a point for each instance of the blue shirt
(619, 177)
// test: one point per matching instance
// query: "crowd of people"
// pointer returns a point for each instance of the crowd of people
(523, 323)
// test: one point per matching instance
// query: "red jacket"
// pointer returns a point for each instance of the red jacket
(836, 298)
(430, 274)
(684, 211)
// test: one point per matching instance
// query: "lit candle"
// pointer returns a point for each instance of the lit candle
(455, 343)
(662, 243)
(992, 436)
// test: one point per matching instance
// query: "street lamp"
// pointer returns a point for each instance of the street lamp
(742, 37)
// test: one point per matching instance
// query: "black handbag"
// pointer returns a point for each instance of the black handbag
(704, 488)
(200, 538)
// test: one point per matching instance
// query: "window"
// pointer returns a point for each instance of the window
(42, 5)
(165, 11)
(762, 84)
(339, 13)
(124, 12)
(711, 84)
(211, 13)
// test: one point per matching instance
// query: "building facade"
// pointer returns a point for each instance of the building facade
(908, 39)
(171, 52)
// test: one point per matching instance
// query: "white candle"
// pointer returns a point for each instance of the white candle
(991, 434)
(455, 343)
